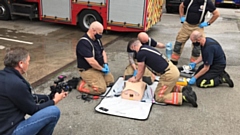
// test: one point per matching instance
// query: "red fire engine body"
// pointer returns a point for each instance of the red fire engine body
(115, 15)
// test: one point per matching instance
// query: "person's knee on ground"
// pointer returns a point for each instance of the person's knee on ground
(90, 89)
(109, 79)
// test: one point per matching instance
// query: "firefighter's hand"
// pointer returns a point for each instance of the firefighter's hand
(106, 66)
(132, 79)
(135, 72)
(203, 24)
(192, 65)
(105, 70)
(182, 19)
(192, 81)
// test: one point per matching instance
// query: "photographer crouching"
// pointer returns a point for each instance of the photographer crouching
(17, 100)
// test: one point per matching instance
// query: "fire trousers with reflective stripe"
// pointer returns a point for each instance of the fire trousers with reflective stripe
(167, 91)
(94, 81)
(182, 37)
(211, 78)
(129, 72)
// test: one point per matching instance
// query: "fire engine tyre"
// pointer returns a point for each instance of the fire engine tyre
(4, 11)
(86, 17)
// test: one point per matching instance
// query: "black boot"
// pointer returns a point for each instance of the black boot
(225, 78)
(174, 62)
(188, 89)
(190, 97)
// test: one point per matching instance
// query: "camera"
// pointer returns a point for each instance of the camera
(59, 86)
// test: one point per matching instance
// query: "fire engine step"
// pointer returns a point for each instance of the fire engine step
(27, 10)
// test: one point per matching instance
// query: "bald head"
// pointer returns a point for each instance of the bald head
(143, 37)
(96, 25)
(95, 30)
(195, 35)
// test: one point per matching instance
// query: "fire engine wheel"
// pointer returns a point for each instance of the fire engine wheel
(4, 11)
(86, 17)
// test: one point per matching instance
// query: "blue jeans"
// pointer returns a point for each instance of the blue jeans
(40, 123)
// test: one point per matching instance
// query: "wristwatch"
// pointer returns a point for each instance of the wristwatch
(208, 23)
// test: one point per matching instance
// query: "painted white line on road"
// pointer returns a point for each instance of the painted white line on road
(14, 40)
(2, 47)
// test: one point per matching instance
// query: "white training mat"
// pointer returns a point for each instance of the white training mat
(127, 108)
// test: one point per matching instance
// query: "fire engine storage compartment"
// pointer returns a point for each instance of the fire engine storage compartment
(140, 14)
(56, 9)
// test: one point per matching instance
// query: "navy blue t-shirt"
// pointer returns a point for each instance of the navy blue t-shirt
(85, 50)
(212, 53)
(195, 10)
(151, 42)
(152, 58)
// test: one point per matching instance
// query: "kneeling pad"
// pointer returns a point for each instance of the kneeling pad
(133, 91)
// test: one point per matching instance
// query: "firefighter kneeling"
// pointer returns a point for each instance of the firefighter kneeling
(167, 91)
(92, 62)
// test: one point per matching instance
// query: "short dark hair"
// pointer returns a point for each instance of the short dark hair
(131, 42)
(14, 56)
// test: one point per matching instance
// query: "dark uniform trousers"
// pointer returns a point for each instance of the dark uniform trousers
(94, 81)
(167, 91)
(211, 78)
(147, 74)
(182, 37)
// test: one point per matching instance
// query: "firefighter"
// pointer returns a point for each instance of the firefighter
(212, 72)
(167, 91)
(193, 20)
(131, 69)
(92, 62)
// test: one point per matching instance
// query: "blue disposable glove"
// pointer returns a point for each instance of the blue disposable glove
(192, 65)
(182, 19)
(203, 24)
(192, 81)
(104, 70)
(106, 66)
(135, 72)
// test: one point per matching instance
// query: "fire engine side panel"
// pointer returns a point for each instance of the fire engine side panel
(126, 12)
(56, 8)
(96, 1)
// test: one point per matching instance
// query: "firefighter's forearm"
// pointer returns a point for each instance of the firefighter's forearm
(181, 9)
(216, 14)
(202, 71)
(93, 63)
(134, 66)
(104, 57)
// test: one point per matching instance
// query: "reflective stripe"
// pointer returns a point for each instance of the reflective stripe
(175, 56)
(204, 7)
(93, 51)
(188, 8)
(174, 99)
(207, 85)
(151, 51)
(149, 41)
(162, 90)
(192, 59)
(81, 87)
(177, 88)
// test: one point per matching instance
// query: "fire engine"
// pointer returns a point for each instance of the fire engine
(115, 15)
